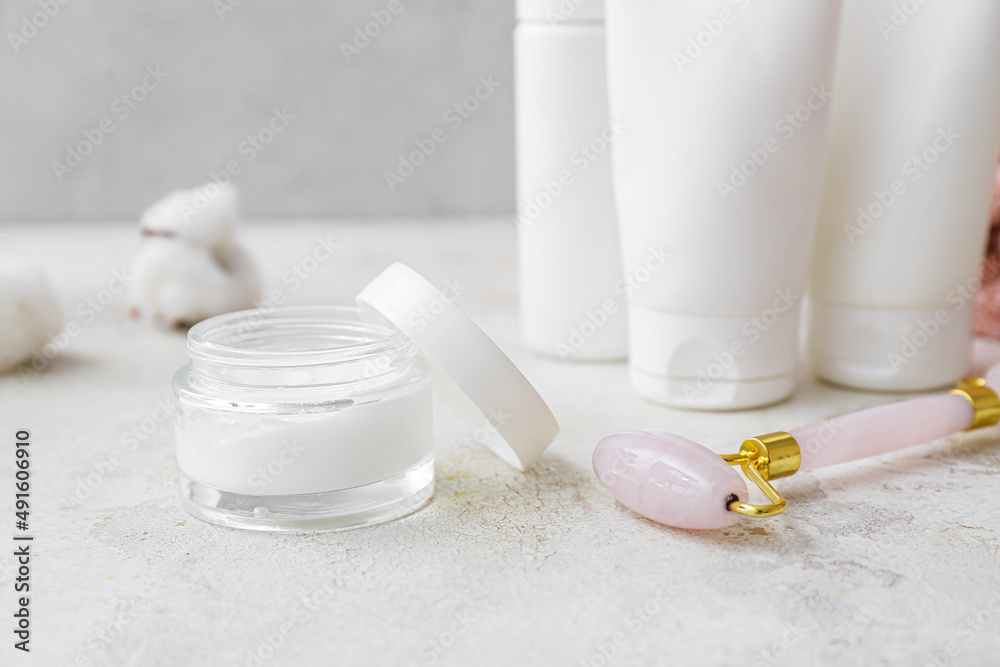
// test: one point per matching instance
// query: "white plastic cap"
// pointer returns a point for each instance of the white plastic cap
(713, 363)
(560, 12)
(474, 375)
(890, 350)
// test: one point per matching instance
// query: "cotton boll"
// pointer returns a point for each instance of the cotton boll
(189, 265)
(29, 312)
(179, 284)
(987, 310)
(204, 216)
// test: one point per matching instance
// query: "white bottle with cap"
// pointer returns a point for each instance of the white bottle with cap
(571, 283)
(720, 170)
(915, 134)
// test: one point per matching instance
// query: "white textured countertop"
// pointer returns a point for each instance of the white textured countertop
(893, 561)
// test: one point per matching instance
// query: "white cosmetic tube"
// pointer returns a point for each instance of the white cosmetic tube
(571, 282)
(915, 134)
(720, 168)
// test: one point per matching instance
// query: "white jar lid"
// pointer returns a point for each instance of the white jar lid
(472, 374)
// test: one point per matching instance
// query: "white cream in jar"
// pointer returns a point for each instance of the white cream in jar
(303, 419)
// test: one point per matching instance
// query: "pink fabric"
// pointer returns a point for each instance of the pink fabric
(988, 298)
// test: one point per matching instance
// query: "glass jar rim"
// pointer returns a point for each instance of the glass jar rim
(215, 340)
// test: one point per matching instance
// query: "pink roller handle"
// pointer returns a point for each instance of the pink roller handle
(881, 430)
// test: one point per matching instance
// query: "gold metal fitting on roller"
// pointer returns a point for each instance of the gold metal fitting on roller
(985, 402)
(776, 455)
(766, 457)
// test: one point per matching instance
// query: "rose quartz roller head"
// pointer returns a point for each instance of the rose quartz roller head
(677, 482)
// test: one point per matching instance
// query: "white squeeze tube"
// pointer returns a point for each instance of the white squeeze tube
(571, 282)
(915, 134)
(720, 168)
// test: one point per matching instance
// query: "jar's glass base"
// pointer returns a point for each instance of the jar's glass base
(313, 512)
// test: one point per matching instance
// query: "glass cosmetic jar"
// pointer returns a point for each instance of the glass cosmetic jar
(321, 418)
(303, 419)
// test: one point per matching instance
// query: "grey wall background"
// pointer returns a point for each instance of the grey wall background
(226, 71)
